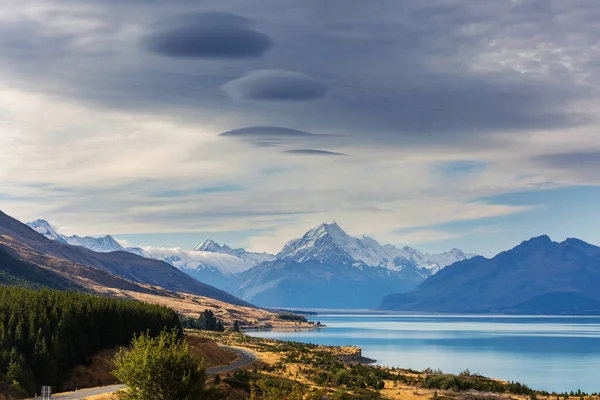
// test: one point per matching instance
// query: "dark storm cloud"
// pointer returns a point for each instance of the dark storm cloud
(275, 85)
(207, 35)
(314, 152)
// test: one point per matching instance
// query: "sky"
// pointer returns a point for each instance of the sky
(439, 124)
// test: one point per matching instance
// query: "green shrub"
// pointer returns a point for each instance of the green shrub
(160, 368)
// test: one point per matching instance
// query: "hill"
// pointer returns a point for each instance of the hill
(22, 242)
(16, 272)
(538, 276)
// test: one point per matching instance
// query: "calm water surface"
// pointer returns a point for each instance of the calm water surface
(547, 353)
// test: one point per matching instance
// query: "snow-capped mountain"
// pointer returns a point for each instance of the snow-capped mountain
(329, 242)
(43, 227)
(325, 268)
(213, 268)
(328, 268)
(207, 262)
(104, 244)
(250, 258)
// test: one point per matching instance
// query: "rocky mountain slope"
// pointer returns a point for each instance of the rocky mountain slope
(538, 276)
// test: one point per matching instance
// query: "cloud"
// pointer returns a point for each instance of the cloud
(207, 35)
(267, 132)
(461, 167)
(573, 160)
(275, 136)
(313, 152)
(275, 85)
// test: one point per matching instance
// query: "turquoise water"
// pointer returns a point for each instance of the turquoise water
(547, 353)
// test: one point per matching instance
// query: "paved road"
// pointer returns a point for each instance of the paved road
(82, 394)
(246, 358)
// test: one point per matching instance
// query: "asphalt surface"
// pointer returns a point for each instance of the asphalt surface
(246, 358)
(83, 393)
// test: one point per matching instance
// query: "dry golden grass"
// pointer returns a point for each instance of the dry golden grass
(109, 396)
(192, 305)
(213, 355)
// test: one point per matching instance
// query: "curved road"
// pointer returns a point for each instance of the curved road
(246, 358)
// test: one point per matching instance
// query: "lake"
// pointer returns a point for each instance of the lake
(547, 353)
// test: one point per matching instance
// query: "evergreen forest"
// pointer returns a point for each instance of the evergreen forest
(44, 333)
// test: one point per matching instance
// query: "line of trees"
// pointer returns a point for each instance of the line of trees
(206, 321)
(45, 333)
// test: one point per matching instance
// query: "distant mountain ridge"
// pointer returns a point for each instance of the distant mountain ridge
(538, 276)
(104, 244)
(327, 268)
(251, 258)
(325, 255)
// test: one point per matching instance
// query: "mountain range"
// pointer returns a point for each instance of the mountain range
(539, 276)
(324, 268)
(118, 269)
(327, 268)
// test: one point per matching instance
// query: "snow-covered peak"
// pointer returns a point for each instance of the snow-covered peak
(104, 244)
(333, 230)
(329, 243)
(208, 245)
(43, 227)
(227, 264)
(249, 258)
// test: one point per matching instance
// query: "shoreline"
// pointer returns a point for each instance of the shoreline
(283, 328)
(427, 382)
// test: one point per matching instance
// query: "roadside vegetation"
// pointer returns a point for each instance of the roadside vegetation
(162, 368)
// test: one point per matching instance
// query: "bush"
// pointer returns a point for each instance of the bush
(160, 368)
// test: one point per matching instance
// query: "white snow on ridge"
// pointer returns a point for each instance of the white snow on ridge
(248, 257)
(44, 228)
(183, 259)
(104, 244)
